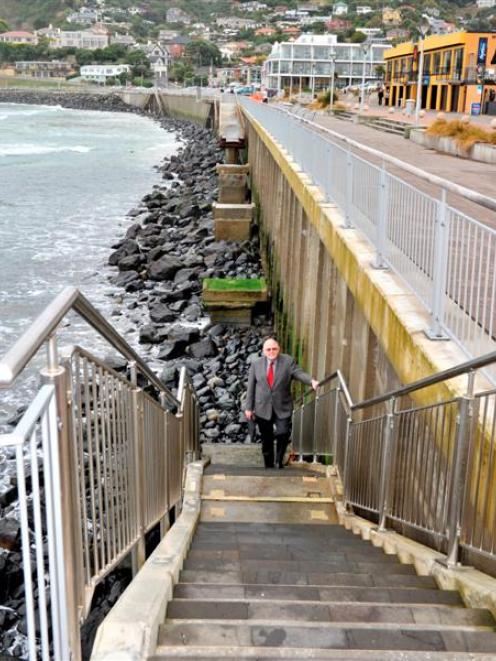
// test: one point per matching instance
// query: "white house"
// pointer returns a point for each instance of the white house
(340, 9)
(486, 4)
(100, 73)
(364, 9)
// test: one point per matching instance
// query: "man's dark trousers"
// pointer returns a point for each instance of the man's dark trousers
(280, 429)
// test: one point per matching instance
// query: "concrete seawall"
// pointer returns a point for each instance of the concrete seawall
(189, 107)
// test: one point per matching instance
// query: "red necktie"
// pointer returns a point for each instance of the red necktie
(270, 374)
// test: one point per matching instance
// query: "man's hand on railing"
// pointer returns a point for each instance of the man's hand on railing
(315, 384)
(249, 415)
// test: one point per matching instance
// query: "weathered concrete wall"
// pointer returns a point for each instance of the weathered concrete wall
(333, 309)
(190, 107)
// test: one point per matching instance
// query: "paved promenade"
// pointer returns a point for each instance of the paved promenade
(480, 177)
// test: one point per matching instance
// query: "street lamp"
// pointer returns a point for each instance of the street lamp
(333, 72)
(423, 29)
(366, 50)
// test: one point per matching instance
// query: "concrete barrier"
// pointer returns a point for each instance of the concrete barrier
(480, 151)
(130, 630)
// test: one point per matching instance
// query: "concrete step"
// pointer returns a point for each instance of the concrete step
(364, 554)
(198, 653)
(338, 594)
(329, 531)
(298, 566)
(274, 487)
(272, 512)
(281, 577)
(296, 611)
(326, 636)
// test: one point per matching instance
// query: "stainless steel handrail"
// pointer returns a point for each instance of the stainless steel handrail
(16, 359)
(450, 373)
(463, 191)
(327, 379)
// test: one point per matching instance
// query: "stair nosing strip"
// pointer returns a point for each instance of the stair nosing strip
(319, 624)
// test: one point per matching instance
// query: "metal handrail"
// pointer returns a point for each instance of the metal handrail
(42, 328)
(463, 191)
(450, 373)
(327, 379)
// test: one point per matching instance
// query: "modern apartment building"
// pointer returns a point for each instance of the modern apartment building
(458, 73)
(307, 63)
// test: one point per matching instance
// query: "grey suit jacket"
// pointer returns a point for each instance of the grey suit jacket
(266, 401)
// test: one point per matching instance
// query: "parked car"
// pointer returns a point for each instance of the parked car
(246, 90)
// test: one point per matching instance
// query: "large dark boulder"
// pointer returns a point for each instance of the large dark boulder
(203, 349)
(148, 334)
(161, 314)
(172, 349)
(164, 268)
(130, 262)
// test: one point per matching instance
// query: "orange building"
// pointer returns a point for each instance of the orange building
(459, 72)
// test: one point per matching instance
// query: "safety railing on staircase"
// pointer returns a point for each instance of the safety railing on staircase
(444, 256)
(99, 460)
(415, 459)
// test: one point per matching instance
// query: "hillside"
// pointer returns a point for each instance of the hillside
(29, 14)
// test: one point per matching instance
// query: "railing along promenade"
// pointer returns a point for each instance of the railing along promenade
(445, 257)
(99, 460)
(424, 467)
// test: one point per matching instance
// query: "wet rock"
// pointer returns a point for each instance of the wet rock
(203, 349)
(9, 533)
(148, 334)
(172, 349)
(164, 268)
(160, 314)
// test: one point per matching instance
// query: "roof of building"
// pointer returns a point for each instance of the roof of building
(17, 33)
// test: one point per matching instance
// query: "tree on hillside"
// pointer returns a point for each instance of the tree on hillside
(180, 71)
(140, 65)
(3, 26)
(202, 53)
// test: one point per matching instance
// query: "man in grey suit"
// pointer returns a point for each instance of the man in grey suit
(269, 401)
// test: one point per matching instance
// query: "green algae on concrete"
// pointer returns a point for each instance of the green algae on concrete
(234, 290)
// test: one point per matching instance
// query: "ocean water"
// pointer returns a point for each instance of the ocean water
(67, 180)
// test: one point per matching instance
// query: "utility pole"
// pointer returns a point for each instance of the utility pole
(423, 29)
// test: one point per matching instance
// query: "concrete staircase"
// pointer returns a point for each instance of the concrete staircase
(387, 125)
(300, 586)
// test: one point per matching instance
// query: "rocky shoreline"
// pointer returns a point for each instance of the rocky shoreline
(158, 268)
(75, 100)
(161, 261)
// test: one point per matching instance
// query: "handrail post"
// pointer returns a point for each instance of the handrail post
(346, 469)
(349, 189)
(440, 271)
(382, 218)
(457, 485)
(137, 413)
(386, 465)
(335, 424)
(70, 544)
(314, 440)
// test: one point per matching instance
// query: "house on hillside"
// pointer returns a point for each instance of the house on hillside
(126, 40)
(84, 15)
(44, 69)
(391, 16)
(101, 73)
(340, 9)
(177, 15)
(19, 37)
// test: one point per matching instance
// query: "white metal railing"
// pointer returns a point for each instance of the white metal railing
(445, 257)
(428, 470)
(99, 463)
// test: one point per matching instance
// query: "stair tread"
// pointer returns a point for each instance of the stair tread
(300, 566)
(353, 594)
(285, 577)
(318, 611)
(319, 636)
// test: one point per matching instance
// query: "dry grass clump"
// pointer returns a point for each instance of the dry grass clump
(465, 134)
